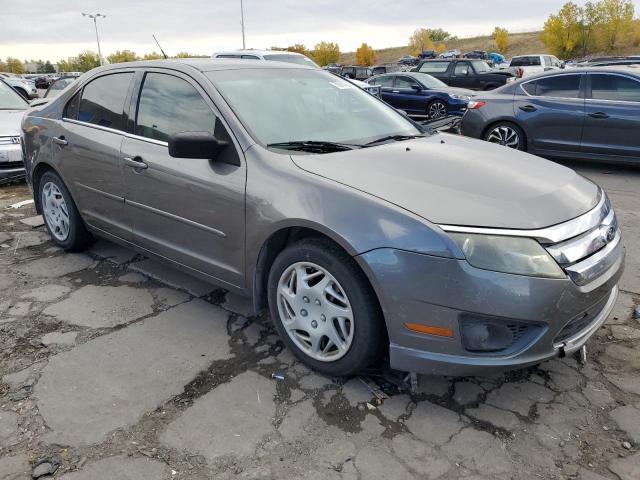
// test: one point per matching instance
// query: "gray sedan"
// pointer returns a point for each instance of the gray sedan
(365, 236)
(590, 114)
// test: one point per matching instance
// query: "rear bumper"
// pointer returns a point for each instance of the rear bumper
(415, 288)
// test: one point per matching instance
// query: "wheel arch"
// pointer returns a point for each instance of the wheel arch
(38, 171)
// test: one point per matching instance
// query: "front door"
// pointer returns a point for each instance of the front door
(463, 75)
(613, 116)
(409, 99)
(191, 211)
(552, 112)
(87, 151)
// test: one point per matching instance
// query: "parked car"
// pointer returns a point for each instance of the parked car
(270, 55)
(455, 53)
(58, 86)
(12, 108)
(421, 95)
(43, 82)
(609, 62)
(25, 87)
(426, 54)
(374, 90)
(477, 55)
(470, 74)
(386, 68)
(355, 72)
(365, 234)
(527, 65)
(409, 61)
(587, 113)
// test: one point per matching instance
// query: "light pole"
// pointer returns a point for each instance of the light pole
(242, 23)
(94, 17)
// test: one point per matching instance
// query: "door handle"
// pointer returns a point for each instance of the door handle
(528, 108)
(60, 141)
(135, 162)
(599, 115)
(395, 91)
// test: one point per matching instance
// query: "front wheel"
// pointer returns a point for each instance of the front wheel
(506, 134)
(436, 109)
(60, 214)
(324, 308)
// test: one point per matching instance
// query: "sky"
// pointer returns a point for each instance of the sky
(55, 29)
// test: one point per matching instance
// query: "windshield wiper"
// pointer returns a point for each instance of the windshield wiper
(314, 146)
(397, 138)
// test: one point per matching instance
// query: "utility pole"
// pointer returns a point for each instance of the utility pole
(94, 17)
(242, 23)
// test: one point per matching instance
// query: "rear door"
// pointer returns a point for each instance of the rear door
(552, 111)
(87, 151)
(191, 211)
(613, 116)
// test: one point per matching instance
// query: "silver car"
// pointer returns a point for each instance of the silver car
(365, 236)
(12, 108)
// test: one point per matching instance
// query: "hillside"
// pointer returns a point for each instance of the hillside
(519, 44)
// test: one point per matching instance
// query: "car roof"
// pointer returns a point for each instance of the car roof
(203, 64)
(629, 69)
(249, 51)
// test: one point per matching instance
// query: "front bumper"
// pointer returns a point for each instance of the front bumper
(11, 164)
(442, 292)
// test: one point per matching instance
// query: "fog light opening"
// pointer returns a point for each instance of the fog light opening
(486, 336)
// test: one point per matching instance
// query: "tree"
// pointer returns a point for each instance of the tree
(438, 35)
(441, 48)
(615, 23)
(86, 61)
(14, 65)
(122, 56)
(501, 39)
(298, 48)
(3, 66)
(152, 56)
(48, 68)
(365, 55)
(325, 53)
(563, 33)
(420, 41)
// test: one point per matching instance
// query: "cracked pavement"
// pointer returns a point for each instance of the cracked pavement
(114, 366)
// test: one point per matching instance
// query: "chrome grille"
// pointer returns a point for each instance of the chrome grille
(15, 140)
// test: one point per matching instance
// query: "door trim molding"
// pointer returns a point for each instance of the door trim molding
(177, 218)
(110, 196)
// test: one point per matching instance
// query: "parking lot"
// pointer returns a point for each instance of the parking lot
(114, 366)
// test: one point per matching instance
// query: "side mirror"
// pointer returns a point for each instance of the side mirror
(417, 88)
(195, 145)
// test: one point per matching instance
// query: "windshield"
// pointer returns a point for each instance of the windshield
(480, 66)
(297, 59)
(10, 99)
(286, 105)
(429, 81)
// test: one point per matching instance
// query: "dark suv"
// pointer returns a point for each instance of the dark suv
(463, 73)
(355, 72)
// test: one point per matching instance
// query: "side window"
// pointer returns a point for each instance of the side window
(615, 87)
(250, 57)
(434, 67)
(102, 101)
(385, 81)
(462, 69)
(547, 61)
(170, 105)
(559, 86)
(71, 110)
(404, 82)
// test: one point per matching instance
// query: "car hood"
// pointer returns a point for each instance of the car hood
(10, 122)
(453, 180)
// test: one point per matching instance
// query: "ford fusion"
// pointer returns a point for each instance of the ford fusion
(364, 235)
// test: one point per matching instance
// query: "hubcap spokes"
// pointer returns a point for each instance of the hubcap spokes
(505, 136)
(315, 311)
(55, 211)
(437, 110)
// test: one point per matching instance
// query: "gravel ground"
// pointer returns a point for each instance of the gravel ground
(113, 366)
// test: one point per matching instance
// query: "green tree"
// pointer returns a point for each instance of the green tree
(365, 55)
(298, 48)
(501, 39)
(3, 66)
(189, 55)
(122, 56)
(87, 60)
(439, 35)
(48, 68)
(420, 41)
(325, 53)
(563, 33)
(14, 65)
(152, 56)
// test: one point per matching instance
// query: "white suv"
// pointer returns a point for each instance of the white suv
(527, 65)
(25, 87)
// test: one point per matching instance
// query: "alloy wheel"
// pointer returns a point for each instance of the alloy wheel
(437, 110)
(55, 211)
(315, 311)
(504, 135)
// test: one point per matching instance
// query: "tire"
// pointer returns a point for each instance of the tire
(506, 134)
(436, 109)
(58, 209)
(360, 338)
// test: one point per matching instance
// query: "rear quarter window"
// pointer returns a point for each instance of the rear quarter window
(103, 99)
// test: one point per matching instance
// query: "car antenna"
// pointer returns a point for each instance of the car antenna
(165, 55)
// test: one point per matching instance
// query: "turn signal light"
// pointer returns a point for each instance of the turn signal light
(476, 104)
(430, 330)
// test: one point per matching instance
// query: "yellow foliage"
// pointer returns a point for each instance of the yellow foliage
(420, 41)
(325, 53)
(501, 39)
(13, 65)
(365, 55)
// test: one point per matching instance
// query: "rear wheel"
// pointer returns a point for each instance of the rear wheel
(436, 109)
(60, 214)
(324, 309)
(506, 134)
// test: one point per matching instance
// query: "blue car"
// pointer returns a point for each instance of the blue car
(421, 95)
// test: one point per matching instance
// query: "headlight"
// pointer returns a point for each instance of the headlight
(464, 98)
(520, 256)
